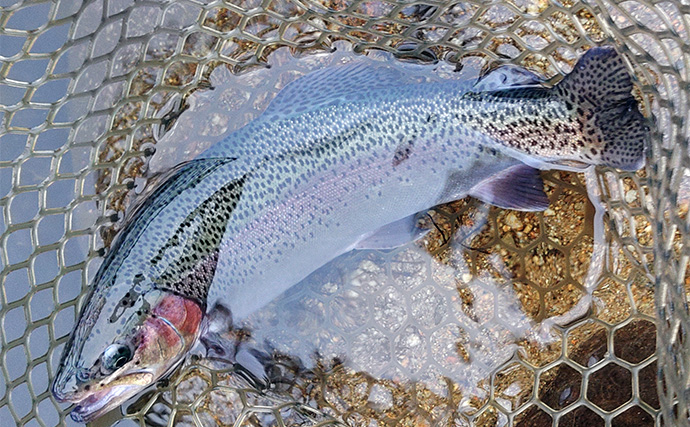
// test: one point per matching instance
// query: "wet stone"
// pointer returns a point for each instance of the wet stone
(518, 229)
(410, 349)
(545, 265)
(613, 303)
(349, 311)
(380, 397)
(560, 300)
(582, 416)
(390, 309)
(568, 219)
(371, 275)
(428, 307)
(224, 405)
(635, 341)
(371, 350)
(610, 387)
(190, 388)
(409, 268)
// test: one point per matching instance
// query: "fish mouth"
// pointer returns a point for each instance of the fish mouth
(98, 403)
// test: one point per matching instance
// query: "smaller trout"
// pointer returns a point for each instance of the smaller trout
(342, 159)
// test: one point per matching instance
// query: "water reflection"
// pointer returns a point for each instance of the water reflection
(401, 317)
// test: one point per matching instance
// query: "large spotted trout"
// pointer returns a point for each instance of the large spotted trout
(343, 159)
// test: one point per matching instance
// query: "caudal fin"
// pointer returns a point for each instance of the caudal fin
(600, 89)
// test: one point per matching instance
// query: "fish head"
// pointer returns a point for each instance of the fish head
(124, 341)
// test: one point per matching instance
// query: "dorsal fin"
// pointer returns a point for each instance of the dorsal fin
(329, 85)
(507, 76)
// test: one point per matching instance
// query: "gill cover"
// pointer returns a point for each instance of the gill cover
(144, 311)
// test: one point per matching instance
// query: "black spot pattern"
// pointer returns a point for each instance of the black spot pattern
(183, 178)
(326, 164)
(196, 255)
(591, 116)
(124, 271)
(404, 150)
(615, 132)
(128, 300)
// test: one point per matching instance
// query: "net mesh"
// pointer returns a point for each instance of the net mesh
(88, 87)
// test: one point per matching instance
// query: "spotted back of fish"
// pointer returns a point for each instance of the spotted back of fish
(590, 116)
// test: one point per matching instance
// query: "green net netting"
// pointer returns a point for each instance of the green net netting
(546, 326)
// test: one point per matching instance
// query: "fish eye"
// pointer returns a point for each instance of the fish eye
(115, 356)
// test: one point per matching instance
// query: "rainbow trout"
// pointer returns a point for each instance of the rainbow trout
(342, 159)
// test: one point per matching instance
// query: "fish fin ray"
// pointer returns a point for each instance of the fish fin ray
(217, 338)
(519, 187)
(393, 235)
(600, 89)
(326, 86)
(221, 342)
(507, 76)
(253, 364)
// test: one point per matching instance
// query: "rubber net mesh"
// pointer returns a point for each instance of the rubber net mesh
(89, 87)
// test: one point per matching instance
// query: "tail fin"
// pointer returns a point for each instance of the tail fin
(614, 129)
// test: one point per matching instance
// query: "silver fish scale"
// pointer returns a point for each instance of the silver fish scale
(328, 181)
(184, 179)
(315, 182)
(536, 122)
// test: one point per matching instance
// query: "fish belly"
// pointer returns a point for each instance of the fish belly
(300, 211)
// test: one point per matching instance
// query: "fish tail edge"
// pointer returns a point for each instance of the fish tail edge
(600, 89)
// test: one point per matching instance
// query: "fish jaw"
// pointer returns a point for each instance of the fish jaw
(96, 404)
(163, 339)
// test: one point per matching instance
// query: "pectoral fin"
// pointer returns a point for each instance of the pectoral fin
(393, 235)
(222, 345)
(519, 187)
(252, 364)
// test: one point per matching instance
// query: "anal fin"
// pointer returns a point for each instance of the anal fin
(519, 187)
(393, 235)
